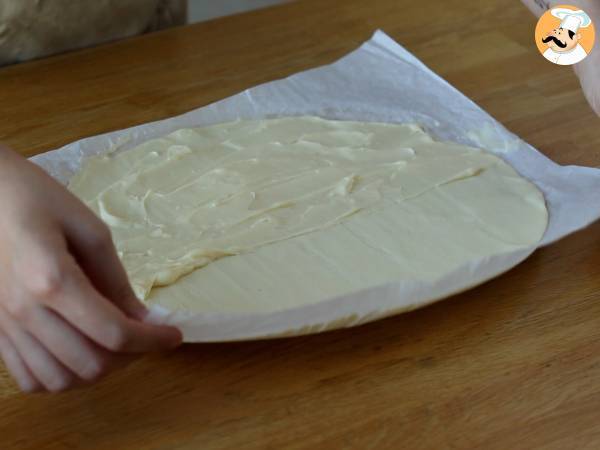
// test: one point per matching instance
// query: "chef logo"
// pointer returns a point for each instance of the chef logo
(565, 35)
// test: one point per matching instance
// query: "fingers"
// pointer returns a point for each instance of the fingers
(66, 308)
(80, 304)
(58, 328)
(42, 365)
(16, 366)
(73, 350)
(54, 279)
(93, 248)
(53, 352)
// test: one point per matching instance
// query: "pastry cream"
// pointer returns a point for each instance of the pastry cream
(287, 211)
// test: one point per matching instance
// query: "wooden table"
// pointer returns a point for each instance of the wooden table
(512, 364)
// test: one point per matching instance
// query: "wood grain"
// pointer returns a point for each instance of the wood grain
(512, 364)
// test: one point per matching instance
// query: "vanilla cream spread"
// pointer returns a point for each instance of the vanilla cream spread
(288, 211)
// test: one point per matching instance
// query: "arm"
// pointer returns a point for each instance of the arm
(588, 70)
(67, 312)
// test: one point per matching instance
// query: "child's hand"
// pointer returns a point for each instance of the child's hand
(67, 312)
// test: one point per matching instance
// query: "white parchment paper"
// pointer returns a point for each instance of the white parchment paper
(380, 81)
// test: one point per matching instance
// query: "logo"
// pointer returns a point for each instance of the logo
(565, 35)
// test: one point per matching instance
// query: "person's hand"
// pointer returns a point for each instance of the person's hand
(67, 312)
(588, 72)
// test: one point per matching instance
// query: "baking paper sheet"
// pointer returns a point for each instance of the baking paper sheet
(380, 81)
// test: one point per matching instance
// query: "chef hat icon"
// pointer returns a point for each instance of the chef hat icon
(572, 20)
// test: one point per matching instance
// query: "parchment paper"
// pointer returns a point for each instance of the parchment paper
(380, 81)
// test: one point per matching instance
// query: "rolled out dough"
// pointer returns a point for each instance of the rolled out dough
(257, 216)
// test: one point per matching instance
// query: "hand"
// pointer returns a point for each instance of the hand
(588, 72)
(67, 312)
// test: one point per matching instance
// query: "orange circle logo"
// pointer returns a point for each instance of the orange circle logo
(565, 35)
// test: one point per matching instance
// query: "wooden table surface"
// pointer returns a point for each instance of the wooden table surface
(512, 364)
